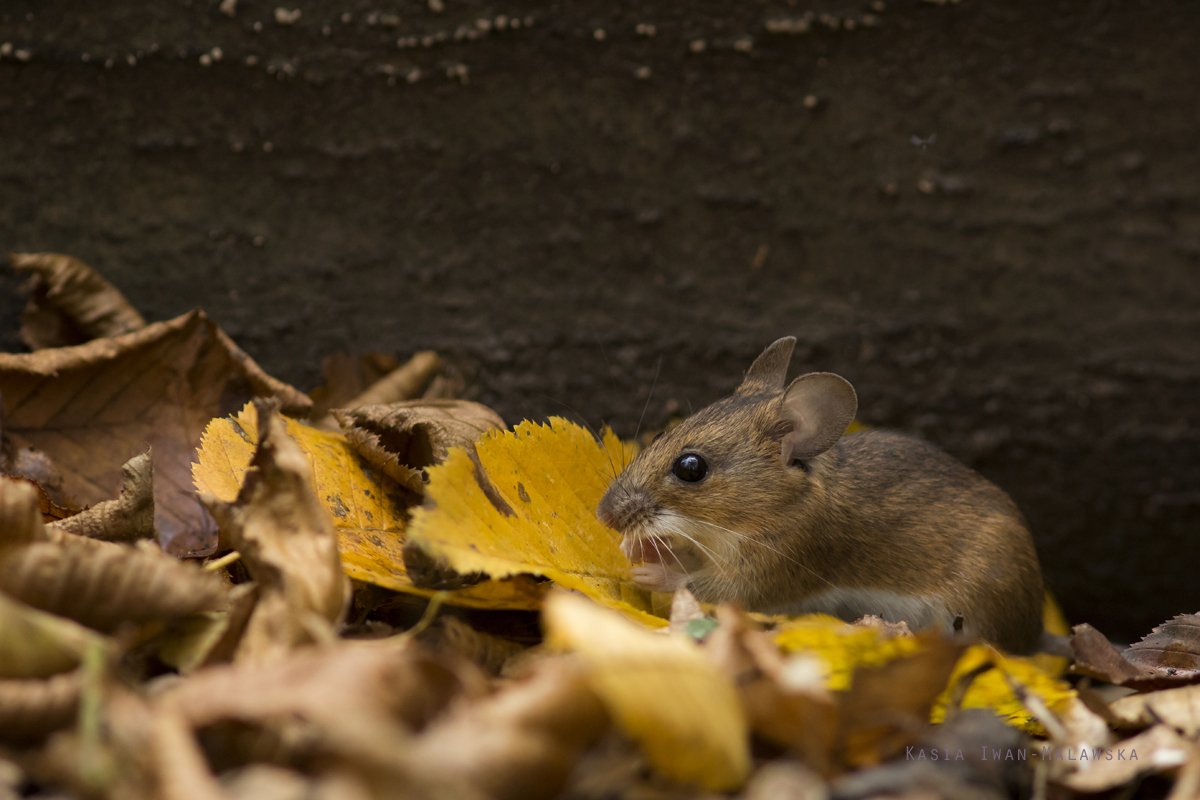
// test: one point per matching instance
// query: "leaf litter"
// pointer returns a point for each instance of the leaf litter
(365, 609)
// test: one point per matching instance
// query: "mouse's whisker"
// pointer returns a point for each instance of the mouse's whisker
(766, 546)
(654, 540)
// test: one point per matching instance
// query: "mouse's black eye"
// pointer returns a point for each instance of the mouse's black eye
(690, 467)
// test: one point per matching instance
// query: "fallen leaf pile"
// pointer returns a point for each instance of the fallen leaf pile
(213, 586)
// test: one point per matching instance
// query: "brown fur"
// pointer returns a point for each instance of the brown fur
(876, 515)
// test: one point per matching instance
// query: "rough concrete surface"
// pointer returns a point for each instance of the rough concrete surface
(985, 214)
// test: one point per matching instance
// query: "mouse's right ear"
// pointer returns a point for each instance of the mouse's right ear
(769, 370)
(818, 407)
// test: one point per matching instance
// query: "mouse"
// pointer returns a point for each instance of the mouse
(764, 501)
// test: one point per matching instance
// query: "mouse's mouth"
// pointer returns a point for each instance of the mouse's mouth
(671, 551)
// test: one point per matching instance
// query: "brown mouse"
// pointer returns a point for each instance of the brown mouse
(760, 500)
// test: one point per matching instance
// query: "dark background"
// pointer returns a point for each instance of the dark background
(1018, 286)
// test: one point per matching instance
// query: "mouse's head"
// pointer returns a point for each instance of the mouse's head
(723, 476)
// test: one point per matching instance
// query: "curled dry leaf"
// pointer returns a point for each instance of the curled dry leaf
(70, 304)
(403, 439)
(527, 504)
(94, 406)
(34, 644)
(1178, 707)
(288, 544)
(369, 512)
(30, 710)
(403, 383)
(346, 377)
(1172, 650)
(129, 517)
(661, 690)
(99, 584)
(522, 742)
(1097, 657)
(453, 635)
(1158, 749)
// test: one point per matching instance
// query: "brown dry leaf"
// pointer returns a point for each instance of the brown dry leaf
(129, 517)
(786, 703)
(211, 637)
(402, 439)
(346, 377)
(887, 706)
(1171, 650)
(287, 543)
(34, 644)
(99, 584)
(1158, 749)
(355, 705)
(30, 710)
(522, 742)
(405, 382)
(71, 304)
(93, 407)
(662, 691)
(1097, 657)
(452, 635)
(1179, 708)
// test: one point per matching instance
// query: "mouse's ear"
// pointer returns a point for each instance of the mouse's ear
(767, 373)
(818, 407)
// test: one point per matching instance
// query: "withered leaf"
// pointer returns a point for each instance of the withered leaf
(1178, 707)
(99, 584)
(346, 377)
(887, 706)
(70, 303)
(32, 709)
(34, 644)
(127, 518)
(522, 742)
(402, 439)
(1171, 649)
(802, 718)
(1158, 749)
(1097, 657)
(288, 545)
(403, 383)
(94, 406)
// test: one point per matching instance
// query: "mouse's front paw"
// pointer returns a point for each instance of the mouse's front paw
(657, 578)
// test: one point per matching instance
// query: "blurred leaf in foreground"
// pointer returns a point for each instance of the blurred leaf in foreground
(661, 689)
(525, 502)
(92, 407)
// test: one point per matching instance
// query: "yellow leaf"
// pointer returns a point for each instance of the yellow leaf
(844, 647)
(368, 518)
(541, 519)
(992, 691)
(661, 690)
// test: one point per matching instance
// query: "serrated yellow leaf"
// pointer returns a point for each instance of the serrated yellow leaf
(661, 690)
(551, 478)
(370, 520)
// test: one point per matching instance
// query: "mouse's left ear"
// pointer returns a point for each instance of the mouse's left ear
(818, 407)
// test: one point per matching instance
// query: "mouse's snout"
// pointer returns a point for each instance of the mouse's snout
(622, 508)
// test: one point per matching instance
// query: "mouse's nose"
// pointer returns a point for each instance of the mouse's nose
(606, 513)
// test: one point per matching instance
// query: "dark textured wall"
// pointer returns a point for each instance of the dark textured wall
(560, 213)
